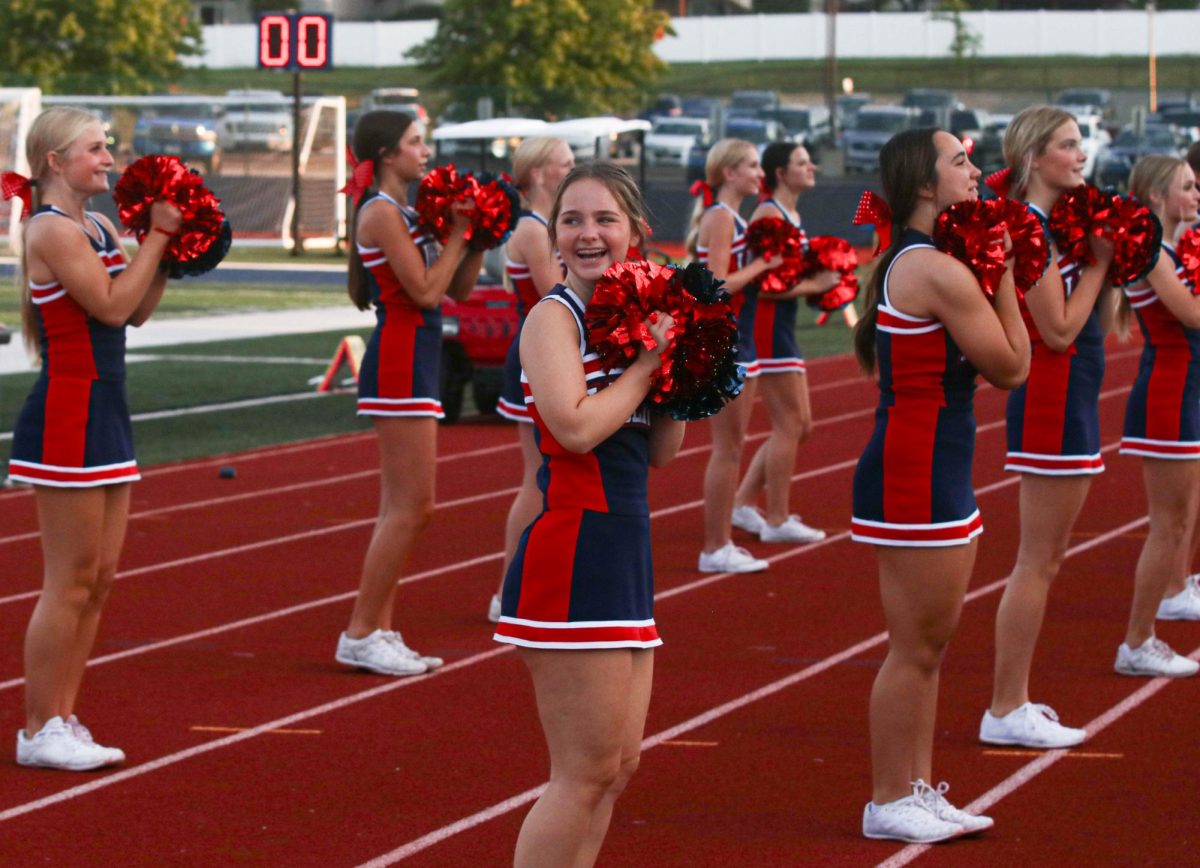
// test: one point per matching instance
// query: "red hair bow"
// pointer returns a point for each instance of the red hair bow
(873, 210)
(999, 182)
(18, 186)
(702, 188)
(360, 179)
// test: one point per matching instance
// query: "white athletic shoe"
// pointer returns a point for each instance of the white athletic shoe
(1029, 725)
(1154, 658)
(394, 637)
(54, 746)
(792, 530)
(730, 559)
(908, 819)
(1184, 606)
(377, 653)
(82, 733)
(940, 805)
(748, 518)
(494, 609)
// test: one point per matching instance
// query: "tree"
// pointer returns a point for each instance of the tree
(95, 46)
(548, 57)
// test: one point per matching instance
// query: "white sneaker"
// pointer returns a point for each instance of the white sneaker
(494, 609)
(377, 653)
(908, 819)
(730, 559)
(82, 733)
(1184, 606)
(748, 518)
(792, 530)
(937, 801)
(1154, 658)
(394, 637)
(54, 746)
(1029, 725)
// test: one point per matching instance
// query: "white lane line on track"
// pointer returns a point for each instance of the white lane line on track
(529, 795)
(466, 823)
(1035, 767)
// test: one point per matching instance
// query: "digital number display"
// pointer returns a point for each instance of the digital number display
(294, 42)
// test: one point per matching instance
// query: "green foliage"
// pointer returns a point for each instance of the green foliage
(966, 42)
(547, 57)
(95, 46)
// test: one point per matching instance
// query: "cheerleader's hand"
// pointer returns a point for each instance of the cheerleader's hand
(827, 280)
(165, 218)
(461, 214)
(1102, 249)
(659, 325)
(772, 262)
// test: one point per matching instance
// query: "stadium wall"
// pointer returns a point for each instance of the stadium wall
(1038, 33)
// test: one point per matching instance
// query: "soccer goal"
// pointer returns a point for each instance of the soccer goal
(18, 107)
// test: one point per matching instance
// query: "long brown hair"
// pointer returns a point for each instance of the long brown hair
(376, 134)
(907, 162)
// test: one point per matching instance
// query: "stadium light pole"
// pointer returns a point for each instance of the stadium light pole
(831, 68)
(1150, 6)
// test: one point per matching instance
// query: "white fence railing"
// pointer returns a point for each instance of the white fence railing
(1036, 33)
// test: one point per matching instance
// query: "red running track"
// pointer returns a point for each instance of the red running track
(248, 745)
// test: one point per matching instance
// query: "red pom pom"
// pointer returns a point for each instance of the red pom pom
(437, 193)
(774, 238)
(967, 232)
(703, 336)
(831, 253)
(497, 205)
(155, 177)
(1071, 222)
(1030, 248)
(1135, 233)
(1188, 251)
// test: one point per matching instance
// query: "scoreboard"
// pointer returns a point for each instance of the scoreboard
(295, 42)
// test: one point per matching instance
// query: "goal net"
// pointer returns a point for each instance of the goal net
(242, 143)
(18, 107)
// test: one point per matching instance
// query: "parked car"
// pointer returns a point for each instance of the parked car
(257, 120)
(397, 99)
(665, 105)
(807, 125)
(989, 156)
(934, 105)
(760, 132)
(1097, 97)
(1116, 160)
(846, 108)
(968, 125)
(1185, 119)
(709, 108)
(873, 127)
(748, 103)
(670, 140)
(476, 333)
(188, 130)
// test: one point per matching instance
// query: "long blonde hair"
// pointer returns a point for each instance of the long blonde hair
(53, 131)
(725, 154)
(1027, 137)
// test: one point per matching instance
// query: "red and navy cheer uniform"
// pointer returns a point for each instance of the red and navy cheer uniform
(74, 429)
(399, 371)
(743, 302)
(773, 324)
(912, 486)
(1054, 416)
(1162, 416)
(512, 402)
(582, 574)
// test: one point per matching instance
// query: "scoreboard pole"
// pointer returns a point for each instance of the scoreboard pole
(297, 238)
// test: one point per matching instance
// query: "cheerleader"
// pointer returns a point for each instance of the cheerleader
(717, 237)
(578, 599)
(73, 441)
(1053, 423)
(1162, 424)
(783, 381)
(533, 268)
(928, 329)
(396, 266)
